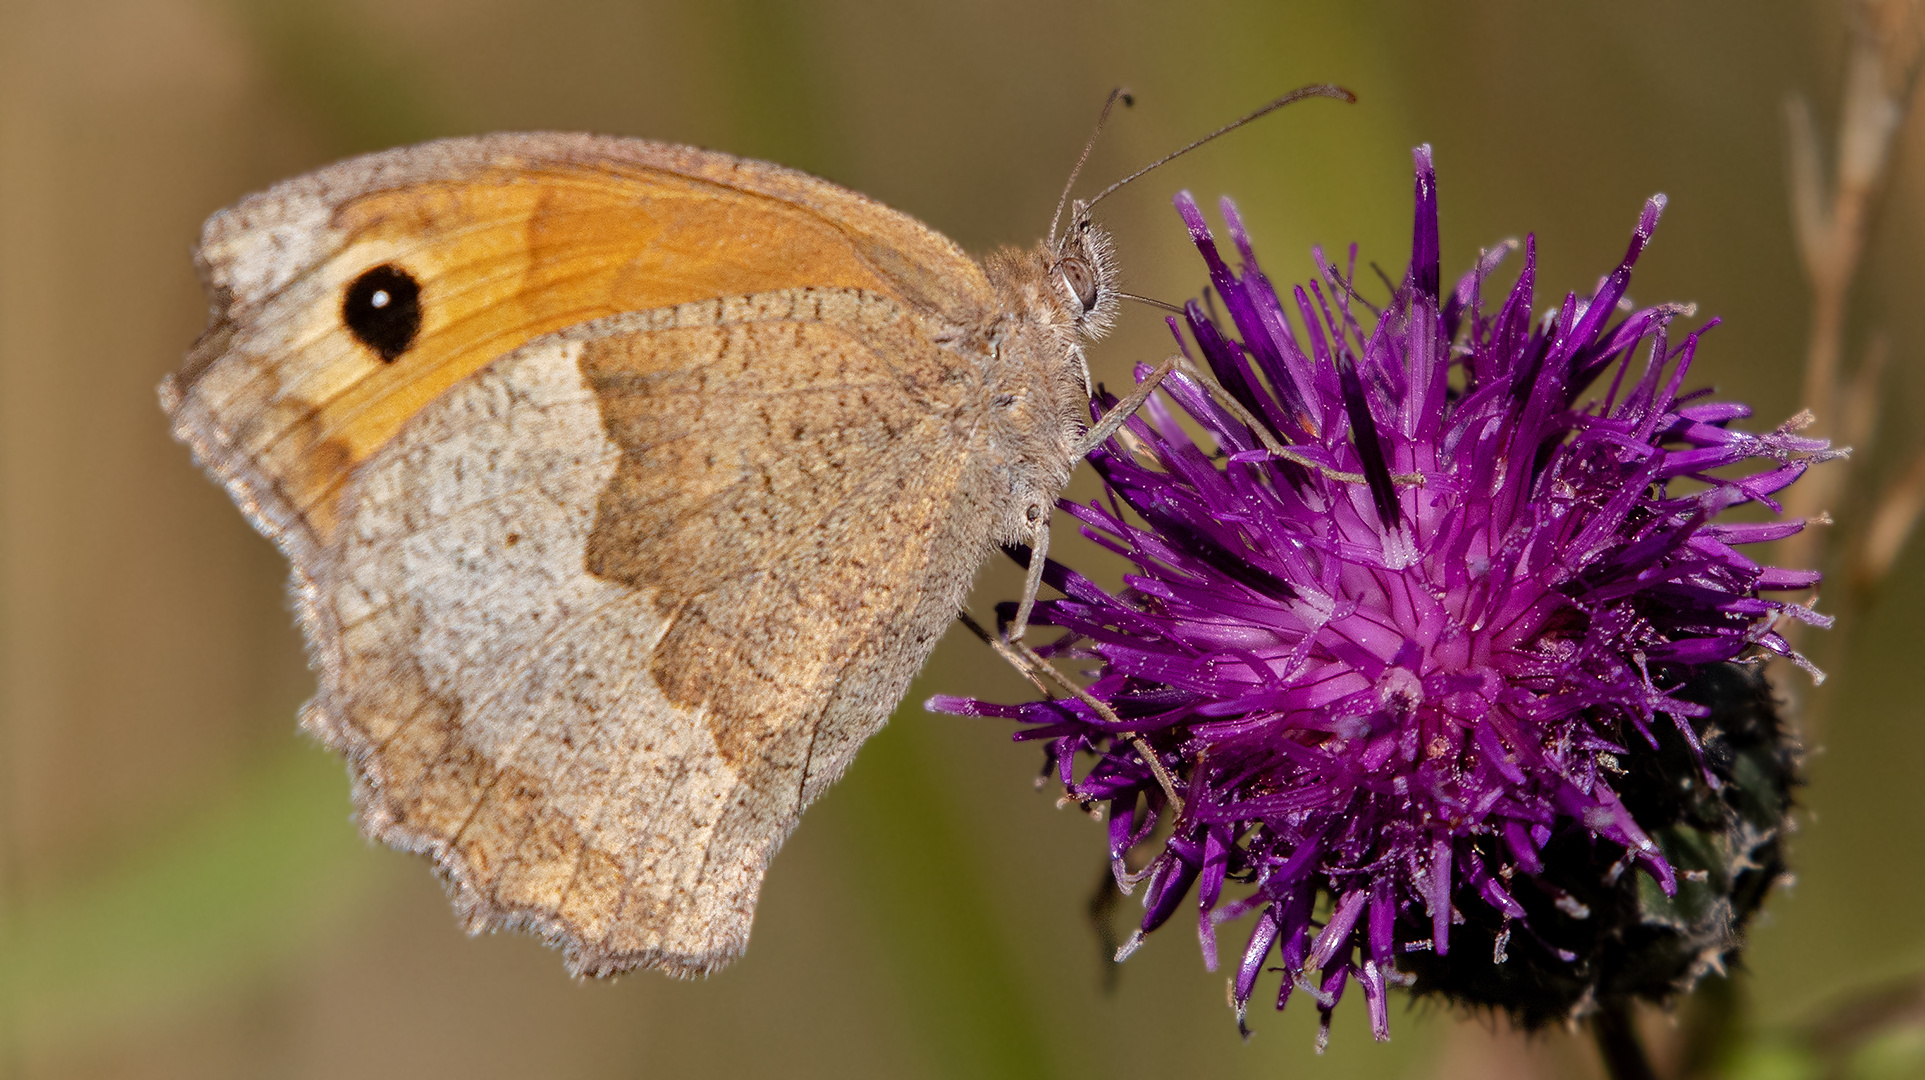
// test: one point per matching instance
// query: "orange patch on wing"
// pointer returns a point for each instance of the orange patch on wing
(512, 255)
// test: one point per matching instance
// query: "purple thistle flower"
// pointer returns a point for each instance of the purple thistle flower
(1404, 674)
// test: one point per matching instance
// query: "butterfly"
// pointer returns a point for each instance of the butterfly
(625, 486)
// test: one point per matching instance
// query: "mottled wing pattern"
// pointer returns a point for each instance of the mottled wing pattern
(604, 617)
(596, 596)
(509, 237)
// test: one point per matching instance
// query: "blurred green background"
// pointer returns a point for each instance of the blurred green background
(181, 892)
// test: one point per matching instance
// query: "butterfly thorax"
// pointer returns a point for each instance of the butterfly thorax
(1050, 302)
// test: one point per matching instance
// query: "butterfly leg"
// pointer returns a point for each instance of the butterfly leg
(1126, 408)
(1035, 662)
(1114, 419)
(1043, 675)
(1033, 580)
(1262, 431)
(1026, 660)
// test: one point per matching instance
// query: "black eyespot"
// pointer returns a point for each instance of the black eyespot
(1080, 279)
(383, 309)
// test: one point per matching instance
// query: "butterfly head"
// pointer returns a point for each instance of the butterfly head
(1082, 270)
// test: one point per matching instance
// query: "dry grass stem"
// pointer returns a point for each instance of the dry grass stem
(1832, 217)
(1893, 518)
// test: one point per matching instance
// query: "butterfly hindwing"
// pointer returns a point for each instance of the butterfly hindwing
(560, 665)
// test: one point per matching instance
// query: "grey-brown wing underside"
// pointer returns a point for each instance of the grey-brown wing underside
(603, 618)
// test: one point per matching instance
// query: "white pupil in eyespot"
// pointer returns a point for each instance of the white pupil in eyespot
(379, 299)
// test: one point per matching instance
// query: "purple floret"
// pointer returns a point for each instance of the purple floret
(1386, 678)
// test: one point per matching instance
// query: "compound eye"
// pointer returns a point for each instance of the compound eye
(1080, 279)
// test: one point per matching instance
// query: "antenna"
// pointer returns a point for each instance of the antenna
(1150, 301)
(1328, 90)
(1118, 94)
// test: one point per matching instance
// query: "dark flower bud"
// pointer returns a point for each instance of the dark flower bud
(1595, 933)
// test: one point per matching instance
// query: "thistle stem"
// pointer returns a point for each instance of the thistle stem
(1617, 1043)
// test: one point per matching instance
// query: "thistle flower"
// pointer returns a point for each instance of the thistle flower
(1458, 690)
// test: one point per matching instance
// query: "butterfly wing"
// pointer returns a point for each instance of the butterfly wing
(608, 614)
(596, 613)
(507, 237)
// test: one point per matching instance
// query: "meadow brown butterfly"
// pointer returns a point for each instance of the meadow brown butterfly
(625, 487)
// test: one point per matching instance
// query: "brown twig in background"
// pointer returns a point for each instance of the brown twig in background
(1831, 220)
(1891, 524)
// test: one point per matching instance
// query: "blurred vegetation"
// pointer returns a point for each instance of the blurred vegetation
(224, 892)
(180, 893)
